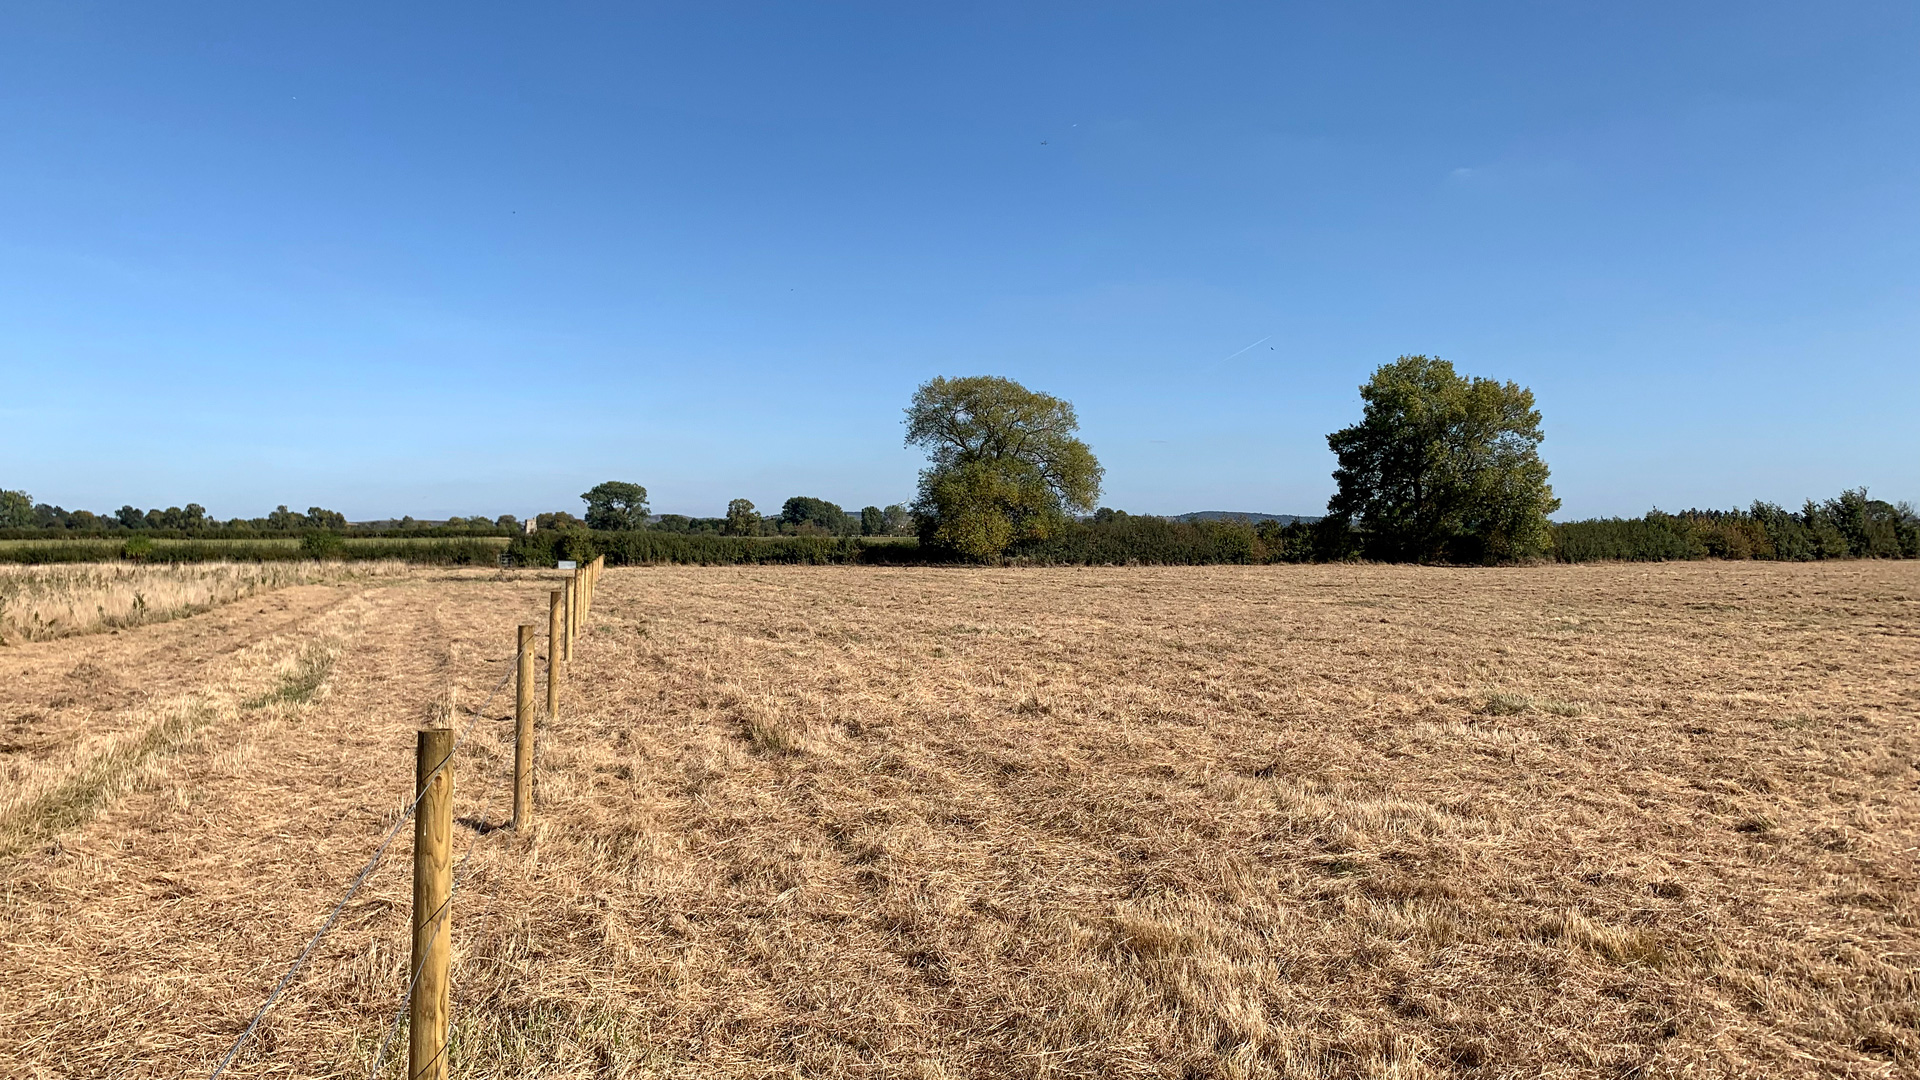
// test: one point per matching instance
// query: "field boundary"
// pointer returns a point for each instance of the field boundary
(424, 1004)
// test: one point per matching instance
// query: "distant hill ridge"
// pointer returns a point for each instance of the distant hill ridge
(1229, 515)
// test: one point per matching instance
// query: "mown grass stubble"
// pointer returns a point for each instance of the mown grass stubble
(1317, 821)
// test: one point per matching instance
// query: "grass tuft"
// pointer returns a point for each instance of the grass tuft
(75, 802)
(1618, 944)
(770, 735)
(304, 676)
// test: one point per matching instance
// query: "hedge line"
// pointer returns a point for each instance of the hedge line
(426, 532)
(1126, 539)
(1855, 529)
(544, 548)
(1850, 526)
(1123, 540)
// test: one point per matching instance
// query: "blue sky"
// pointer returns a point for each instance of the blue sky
(475, 258)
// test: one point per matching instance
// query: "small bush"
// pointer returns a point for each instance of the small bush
(322, 545)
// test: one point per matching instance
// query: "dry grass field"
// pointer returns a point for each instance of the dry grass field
(1596, 821)
(51, 601)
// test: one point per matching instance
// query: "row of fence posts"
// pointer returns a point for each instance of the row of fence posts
(428, 1004)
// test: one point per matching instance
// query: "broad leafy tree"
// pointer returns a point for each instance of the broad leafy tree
(320, 517)
(16, 510)
(873, 521)
(616, 506)
(1442, 467)
(899, 519)
(742, 519)
(803, 511)
(1004, 465)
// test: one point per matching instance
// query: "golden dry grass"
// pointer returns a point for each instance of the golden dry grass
(38, 603)
(1298, 821)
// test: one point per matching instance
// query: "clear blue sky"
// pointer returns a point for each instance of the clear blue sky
(391, 258)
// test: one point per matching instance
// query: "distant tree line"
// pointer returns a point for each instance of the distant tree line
(639, 546)
(621, 506)
(21, 516)
(1439, 468)
(1849, 526)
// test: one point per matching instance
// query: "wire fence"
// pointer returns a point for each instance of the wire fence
(393, 1026)
(579, 599)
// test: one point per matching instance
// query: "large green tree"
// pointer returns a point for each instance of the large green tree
(1004, 465)
(16, 510)
(742, 519)
(1442, 467)
(616, 506)
(804, 511)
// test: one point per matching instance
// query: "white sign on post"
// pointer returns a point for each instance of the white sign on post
(565, 564)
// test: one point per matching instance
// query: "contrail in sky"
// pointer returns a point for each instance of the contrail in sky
(1262, 341)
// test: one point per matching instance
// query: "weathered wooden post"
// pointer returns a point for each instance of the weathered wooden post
(432, 889)
(566, 639)
(523, 733)
(556, 630)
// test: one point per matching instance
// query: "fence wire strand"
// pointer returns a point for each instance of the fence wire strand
(406, 999)
(359, 879)
(393, 1027)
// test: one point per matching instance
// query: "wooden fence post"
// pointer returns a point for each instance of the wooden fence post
(432, 920)
(556, 630)
(566, 638)
(523, 733)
